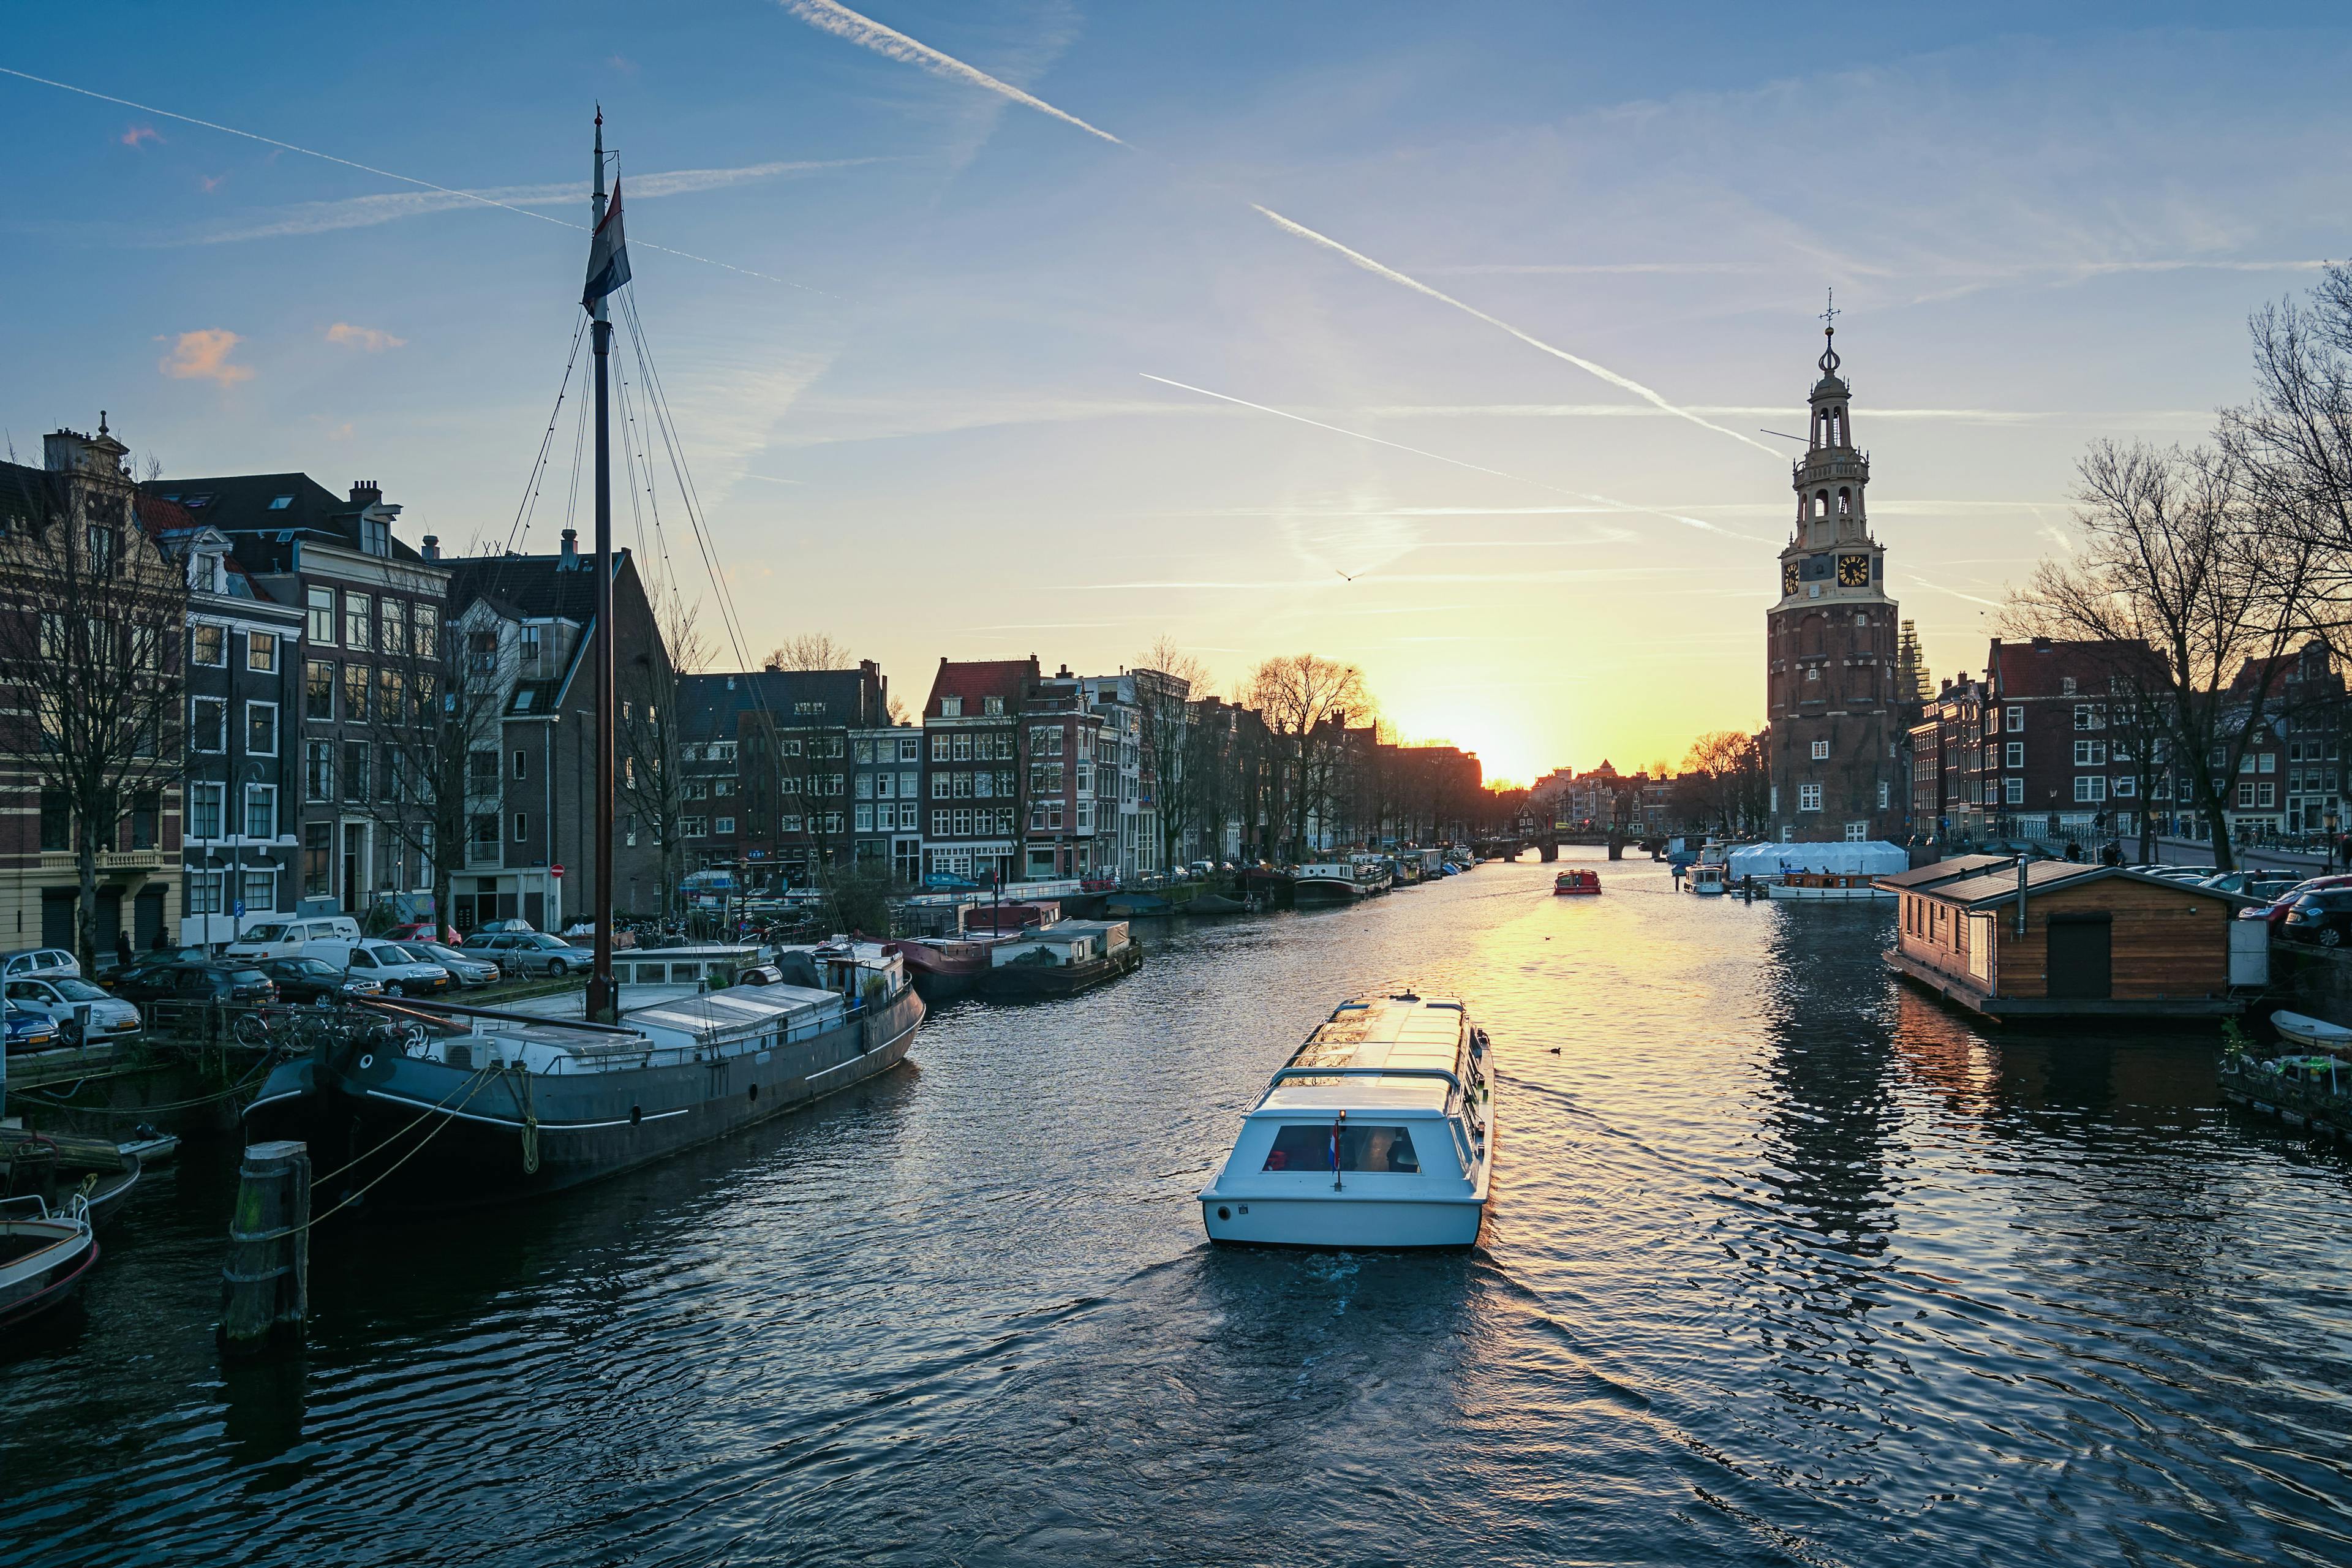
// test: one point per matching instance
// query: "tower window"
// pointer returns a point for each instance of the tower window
(1845, 502)
(1821, 503)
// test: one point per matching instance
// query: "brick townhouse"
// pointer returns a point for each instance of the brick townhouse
(971, 767)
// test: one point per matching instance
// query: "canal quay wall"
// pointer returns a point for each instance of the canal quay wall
(2314, 981)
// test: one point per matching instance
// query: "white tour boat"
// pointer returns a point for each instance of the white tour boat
(1378, 1133)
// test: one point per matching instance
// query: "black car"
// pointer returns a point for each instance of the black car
(152, 980)
(231, 982)
(314, 980)
(2324, 918)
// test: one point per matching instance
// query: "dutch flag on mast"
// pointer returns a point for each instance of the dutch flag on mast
(608, 255)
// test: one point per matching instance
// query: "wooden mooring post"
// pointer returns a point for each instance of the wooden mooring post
(266, 1285)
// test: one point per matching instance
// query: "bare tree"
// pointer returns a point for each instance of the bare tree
(429, 764)
(647, 778)
(2292, 446)
(809, 650)
(1178, 781)
(2178, 559)
(1304, 699)
(92, 617)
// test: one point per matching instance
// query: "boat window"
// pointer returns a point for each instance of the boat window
(1307, 1147)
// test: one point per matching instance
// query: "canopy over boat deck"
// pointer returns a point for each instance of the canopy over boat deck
(1393, 1052)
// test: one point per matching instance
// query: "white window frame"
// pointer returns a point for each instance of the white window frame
(2016, 752)
(219, 727)
(1809, 797)
(1820, 751)
(2016, 719)
(250, 709)
(2014, 792)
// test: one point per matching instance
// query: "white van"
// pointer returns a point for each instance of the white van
(285, 939)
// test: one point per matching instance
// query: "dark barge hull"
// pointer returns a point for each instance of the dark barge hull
(433, 1138)
(1035, 982)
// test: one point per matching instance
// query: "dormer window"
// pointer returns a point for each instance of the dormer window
(375, 536)
(950, 707)
(279, 503)
(992, 706)
(208, 575)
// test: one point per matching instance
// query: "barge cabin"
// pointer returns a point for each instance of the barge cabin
(2047, 939)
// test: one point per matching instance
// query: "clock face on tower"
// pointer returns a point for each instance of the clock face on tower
(1854, 571)
(1787, 576)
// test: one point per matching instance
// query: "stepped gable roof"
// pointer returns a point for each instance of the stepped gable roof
(264, 532)
(529, 587)
(709, 706)
(973, 679)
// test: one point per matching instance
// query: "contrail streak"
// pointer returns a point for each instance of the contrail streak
(463, 196)
(1603, 371)
(1456, 462)
(868, 34)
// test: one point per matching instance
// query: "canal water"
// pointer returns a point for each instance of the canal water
(1786, 1264)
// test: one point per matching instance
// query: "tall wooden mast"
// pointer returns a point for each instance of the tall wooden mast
(602, 996)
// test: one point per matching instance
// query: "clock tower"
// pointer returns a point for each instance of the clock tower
(1830, 643)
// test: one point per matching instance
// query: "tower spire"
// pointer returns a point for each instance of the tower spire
(1829, 360)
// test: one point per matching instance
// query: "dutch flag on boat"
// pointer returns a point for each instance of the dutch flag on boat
(608, 255)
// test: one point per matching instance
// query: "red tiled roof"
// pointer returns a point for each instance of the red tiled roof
(973, 679)
(2040, 667)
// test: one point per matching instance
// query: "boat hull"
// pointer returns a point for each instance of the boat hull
(1824, 895)
(1339, 1221)
(1326, 890)
(481, 1138)
(1035, 982)
(47, 1279)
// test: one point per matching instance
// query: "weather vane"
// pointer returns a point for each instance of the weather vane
(1829, 315)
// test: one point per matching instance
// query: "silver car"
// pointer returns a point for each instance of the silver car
(467, 969)
(530, 952)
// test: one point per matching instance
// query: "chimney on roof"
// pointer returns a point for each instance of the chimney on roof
(568, 558)
(433, 547)
(366, 493)
(2042, 645)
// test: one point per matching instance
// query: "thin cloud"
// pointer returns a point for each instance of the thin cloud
(1588, 366)
(1586, 269)
(384, 174)
(375, 340)
(1456, 462)
(138, 134)
(208, 183)
(868, 34)
(203, 355)
(364, 212)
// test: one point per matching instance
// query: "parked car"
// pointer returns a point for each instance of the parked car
(2274, 912)
(316, 980)
(422, 930)
(388, 963)
(149, 979)
(29, 1031)
(241, 983)
(39, 960)
(463, 968)
(2324, 918)
(507, 925)
(529, 952)
(59, 997)
(285, 939)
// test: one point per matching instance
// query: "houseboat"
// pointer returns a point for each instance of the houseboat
(1835, 886)
(1377, 1133)
(1571, 884)
(1327, 881)
(951, 965)
(2036, 938)
(434, 1105)
(1372, 872)
(1060, 960)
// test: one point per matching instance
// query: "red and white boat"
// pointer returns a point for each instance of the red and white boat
(947, 966)
(1569, 884)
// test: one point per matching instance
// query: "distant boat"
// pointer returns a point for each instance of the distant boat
(1327, 881)
(1060, 960)
(1832, 886)
(1569, 884)
(1212, 904)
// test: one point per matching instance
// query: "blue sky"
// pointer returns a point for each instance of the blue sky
(929, 429)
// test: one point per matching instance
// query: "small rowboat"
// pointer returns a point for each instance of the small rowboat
(2317, 1033)
(43, 1257)
(1570, 883)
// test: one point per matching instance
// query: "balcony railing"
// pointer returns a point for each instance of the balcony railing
(53, 860)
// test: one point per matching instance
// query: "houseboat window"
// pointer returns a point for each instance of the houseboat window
(1309, 1148)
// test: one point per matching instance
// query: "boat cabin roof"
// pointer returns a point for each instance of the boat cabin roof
(738, 1010)
(1387, 1053)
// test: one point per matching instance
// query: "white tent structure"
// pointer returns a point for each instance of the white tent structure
(1765, 862)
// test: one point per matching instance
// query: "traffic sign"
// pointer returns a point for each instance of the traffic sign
(238, 909)
(556, 871)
